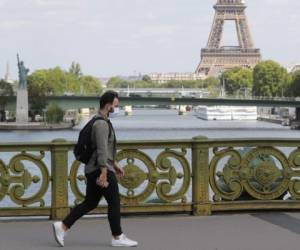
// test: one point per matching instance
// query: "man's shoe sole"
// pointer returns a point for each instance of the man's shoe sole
(54, 232)
(123, 246)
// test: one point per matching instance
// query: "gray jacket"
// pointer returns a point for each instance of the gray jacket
(105, 154)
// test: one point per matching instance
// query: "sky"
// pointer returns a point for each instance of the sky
(127, 37)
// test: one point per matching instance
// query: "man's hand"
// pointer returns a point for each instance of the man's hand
(119, 170)
(102, 179)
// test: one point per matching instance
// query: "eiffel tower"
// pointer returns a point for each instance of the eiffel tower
(214, 58)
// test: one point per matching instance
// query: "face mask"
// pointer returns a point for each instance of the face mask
(115, 112)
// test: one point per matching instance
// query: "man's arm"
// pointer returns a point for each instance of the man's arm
(101, 134)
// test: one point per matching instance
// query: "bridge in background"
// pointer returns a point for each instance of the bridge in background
(77, 102)
(160, 92)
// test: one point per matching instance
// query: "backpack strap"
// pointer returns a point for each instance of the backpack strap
(95, 118)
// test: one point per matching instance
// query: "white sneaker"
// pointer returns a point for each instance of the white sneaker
(59, 233)
(123, 241)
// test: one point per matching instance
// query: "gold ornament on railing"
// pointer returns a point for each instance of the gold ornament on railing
(162, 181)
(262, 173)
(15, 179)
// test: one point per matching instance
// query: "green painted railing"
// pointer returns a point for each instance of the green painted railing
(197, 176)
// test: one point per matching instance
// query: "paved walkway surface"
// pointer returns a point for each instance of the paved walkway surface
(258, 231)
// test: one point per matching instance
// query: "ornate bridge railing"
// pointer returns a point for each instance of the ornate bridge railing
(197, 176)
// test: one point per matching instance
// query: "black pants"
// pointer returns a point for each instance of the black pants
(92, 198)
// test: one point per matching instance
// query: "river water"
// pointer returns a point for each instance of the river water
(149, 125)
(165, 124)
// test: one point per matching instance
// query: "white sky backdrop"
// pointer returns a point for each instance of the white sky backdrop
(112, 37)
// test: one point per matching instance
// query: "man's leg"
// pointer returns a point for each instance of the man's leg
(111, 194)
(92, 198)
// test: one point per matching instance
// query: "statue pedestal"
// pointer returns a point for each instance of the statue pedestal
(22, 106)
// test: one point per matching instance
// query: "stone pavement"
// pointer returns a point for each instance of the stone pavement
(255, 231)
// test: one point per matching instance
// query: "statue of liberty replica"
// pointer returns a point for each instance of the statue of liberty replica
(22, 94)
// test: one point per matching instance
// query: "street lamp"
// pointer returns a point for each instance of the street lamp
(221, 76)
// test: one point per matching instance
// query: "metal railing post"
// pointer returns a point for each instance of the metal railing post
(200, 179)
(59, 172)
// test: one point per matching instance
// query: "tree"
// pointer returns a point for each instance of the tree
(75, 69)
(236, 79)
(54, 114)
(210, 82)
(37, 92)
(117, 82)
(146, 78)
(294, 88)
(54, 81)
(72, 83)
(142, 84)
(45, 82)
(269, 79)
(90, 85)
(50, 81)
(6, 88)
(179, 84)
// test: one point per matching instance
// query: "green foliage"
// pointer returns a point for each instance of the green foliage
(56, 81)
(90, 85)
(210, 82)
(146, 78)
(52, 81)
(141, 84)
(236, 79)
(6, 88)
(294, 88)
(75, 69)
(270, 79)
(37, 98)
(37, 91)
(116, 82)
(54, 114)
(179, 84)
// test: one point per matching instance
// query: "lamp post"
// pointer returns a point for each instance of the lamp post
(222, 81)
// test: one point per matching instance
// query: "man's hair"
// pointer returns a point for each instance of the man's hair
(108, 97)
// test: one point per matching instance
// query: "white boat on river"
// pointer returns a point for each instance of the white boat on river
(210, 113)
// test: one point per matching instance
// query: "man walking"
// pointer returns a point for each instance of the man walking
(101, 172)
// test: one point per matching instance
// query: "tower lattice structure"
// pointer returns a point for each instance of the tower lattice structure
(214, 58)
